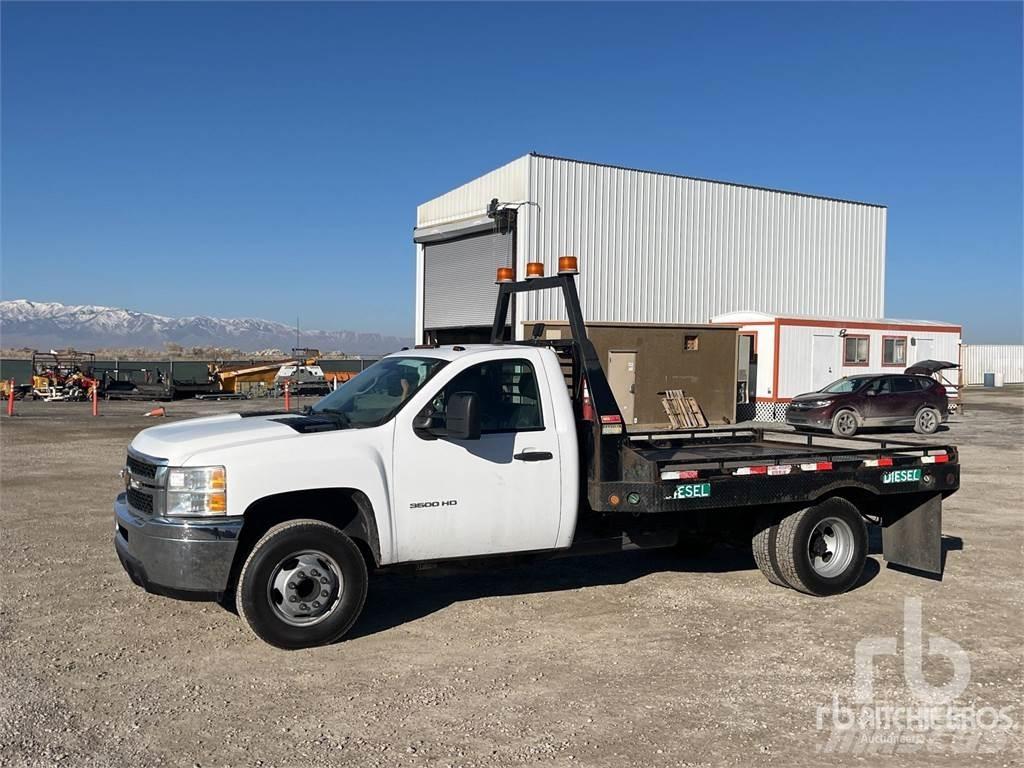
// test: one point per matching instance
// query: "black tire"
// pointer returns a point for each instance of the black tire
(282, 551)
(830, 573)
(763, 545)
(927, 421)
(844, 423)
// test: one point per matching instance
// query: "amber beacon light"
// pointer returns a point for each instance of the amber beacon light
(567, 265)
(506, 275)
(534, 269)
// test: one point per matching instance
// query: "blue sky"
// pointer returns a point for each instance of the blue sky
(266, 159)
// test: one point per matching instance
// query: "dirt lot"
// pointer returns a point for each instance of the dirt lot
(634, 659)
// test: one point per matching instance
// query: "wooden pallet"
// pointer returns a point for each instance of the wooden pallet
(684, 412)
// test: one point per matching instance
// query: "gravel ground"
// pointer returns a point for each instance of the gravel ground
(631, 659)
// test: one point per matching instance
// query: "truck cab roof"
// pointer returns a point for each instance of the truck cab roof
(456, 351)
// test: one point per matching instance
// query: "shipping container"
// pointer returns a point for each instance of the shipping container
(643, 361)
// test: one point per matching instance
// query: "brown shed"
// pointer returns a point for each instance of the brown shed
(641, 360)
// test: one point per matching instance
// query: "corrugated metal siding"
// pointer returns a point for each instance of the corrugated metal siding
(1007, 359)
(665, 249)
(507, 183)
(796, 364)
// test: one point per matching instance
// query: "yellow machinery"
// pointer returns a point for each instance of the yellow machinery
(249, 379)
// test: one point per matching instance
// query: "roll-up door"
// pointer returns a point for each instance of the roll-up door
(458, 278)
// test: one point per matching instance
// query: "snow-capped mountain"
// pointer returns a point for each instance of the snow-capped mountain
(43, 325)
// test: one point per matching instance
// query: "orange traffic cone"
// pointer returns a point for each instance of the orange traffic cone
(159, 411)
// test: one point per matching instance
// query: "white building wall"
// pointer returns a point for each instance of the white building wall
(1007, 359)
(669, 249)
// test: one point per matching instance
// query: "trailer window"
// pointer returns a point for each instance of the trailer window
(691, 343)
(507, 390)
(855, 350)
(894, 350)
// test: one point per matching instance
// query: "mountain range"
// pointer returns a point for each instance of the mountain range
(45, 325)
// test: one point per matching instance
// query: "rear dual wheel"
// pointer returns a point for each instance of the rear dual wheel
(819, 550)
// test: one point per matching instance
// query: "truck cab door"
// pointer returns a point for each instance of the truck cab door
(500, 493)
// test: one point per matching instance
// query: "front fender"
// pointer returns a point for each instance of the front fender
(355, 459)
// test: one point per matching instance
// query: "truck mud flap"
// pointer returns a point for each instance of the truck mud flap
(912, 532)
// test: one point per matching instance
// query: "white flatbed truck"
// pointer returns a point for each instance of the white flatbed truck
(450, 453)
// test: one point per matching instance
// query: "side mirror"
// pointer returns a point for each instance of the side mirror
(429, 425)
(462, 416)
(423, 422)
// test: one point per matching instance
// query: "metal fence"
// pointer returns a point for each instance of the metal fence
(149, 371)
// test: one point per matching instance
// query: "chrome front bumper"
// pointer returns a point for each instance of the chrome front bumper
(183, 558)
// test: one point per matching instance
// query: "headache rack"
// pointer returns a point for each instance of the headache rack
(603, 434)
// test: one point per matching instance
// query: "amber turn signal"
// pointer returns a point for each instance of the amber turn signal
(506, 275)
(567, 265)
(534, 269)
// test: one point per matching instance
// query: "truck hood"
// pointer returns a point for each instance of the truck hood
(178, 441)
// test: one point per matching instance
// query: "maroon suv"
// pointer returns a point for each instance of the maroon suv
(871, 400)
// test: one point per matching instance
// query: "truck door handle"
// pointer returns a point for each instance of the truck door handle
(534, 456)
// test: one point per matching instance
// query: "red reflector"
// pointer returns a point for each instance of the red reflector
(758, 470)
(611, 419)
(885, 461)
(824, 465)
(941, 458)
(680, 474)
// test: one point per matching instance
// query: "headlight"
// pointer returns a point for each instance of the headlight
(821, 403)
(195, 491)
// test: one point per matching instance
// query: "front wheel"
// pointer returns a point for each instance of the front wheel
(844, 424)
(927, 421)
(303, 584)
(821, 550)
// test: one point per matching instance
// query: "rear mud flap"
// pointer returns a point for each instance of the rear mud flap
(912, 533)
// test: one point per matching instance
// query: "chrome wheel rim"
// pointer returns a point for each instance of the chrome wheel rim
(927, 421)
(845, 422)
(830, 547)
(305, 587)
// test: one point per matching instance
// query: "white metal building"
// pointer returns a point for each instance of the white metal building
(1005, 360)
(787, 355)
(652, 247)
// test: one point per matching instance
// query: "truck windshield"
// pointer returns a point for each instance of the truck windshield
(377, 394)
(843, 386)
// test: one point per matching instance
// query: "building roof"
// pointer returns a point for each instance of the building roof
(710, 181)
(746, 317)
(723, 326)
